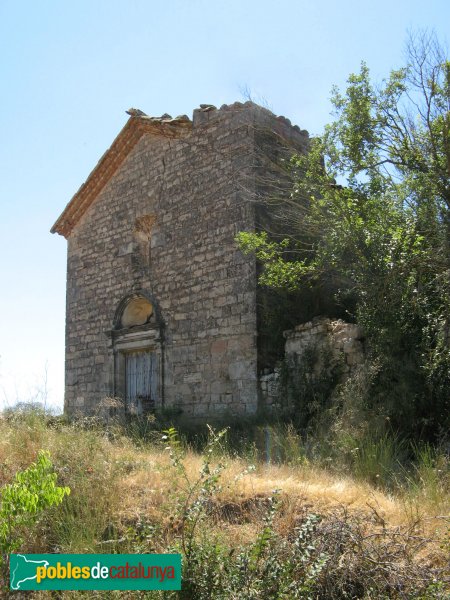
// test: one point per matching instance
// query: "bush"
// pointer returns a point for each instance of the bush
(22, 503)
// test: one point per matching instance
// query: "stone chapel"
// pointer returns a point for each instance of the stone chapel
(162, 307)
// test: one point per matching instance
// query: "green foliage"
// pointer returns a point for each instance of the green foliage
(373, 203)
(307, 385)
(271, 567)
(23, 501)
(429, 478)
(196, 493)
(378, 458)
(278, 272)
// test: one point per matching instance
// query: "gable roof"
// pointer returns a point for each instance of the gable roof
(136, 126)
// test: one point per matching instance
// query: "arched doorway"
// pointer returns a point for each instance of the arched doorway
(138, 354)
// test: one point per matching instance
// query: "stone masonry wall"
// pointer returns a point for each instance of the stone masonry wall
(345, 340)
(189, 196)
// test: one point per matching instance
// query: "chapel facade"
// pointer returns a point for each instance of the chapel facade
(162, 307)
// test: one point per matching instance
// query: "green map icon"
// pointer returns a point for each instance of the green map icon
(23, 569)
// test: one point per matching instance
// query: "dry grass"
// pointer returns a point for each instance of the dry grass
(148, 486)
(118, 487)
(404, 533)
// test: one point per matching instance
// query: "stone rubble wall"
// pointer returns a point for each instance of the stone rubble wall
(345, 340)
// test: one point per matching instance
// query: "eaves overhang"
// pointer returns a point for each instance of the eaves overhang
(134, 129)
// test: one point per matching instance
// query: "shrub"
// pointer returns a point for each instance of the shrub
(22, 503)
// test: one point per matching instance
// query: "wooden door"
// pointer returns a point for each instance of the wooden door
(140, 381)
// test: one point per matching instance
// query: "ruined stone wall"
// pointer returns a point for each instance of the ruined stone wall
(343, 341)
(164, 226)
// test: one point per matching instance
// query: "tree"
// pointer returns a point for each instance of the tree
(371, 205)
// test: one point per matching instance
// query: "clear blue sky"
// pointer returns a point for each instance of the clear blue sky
(70, 69)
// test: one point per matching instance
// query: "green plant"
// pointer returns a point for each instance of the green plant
(371, 200)
(428, 479)
(24, 500)
(378, 458)
(198, 492)
(270, 568)
(307, 385)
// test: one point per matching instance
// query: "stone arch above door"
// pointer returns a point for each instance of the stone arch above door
(136, 309)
